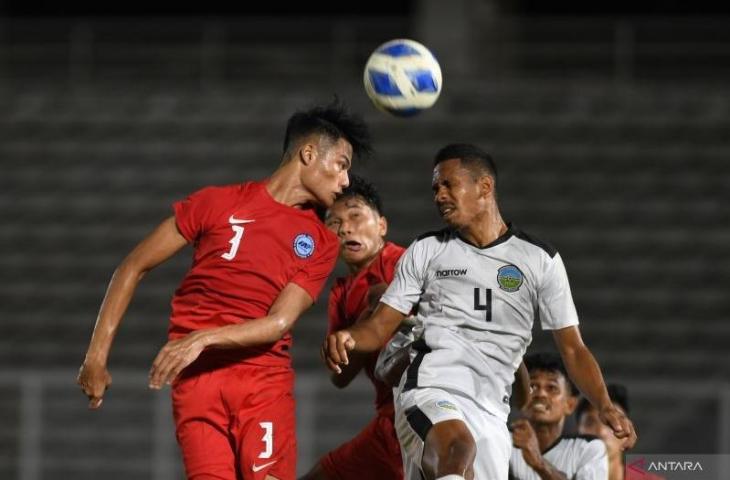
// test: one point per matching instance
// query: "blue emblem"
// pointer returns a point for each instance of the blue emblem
(510, 278)
(304, 245)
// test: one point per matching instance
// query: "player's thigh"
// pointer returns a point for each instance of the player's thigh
(449, 448)
(206, 452)
(417, 412)
(264, 428)
(373, 453)
(201, 427)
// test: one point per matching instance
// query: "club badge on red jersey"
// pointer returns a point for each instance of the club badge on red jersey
(304, 245)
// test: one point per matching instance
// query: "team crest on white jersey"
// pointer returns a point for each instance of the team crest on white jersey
(304, 245)
(446, 405)
(510, 278)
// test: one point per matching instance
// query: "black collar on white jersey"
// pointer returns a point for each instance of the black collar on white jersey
(501, 239)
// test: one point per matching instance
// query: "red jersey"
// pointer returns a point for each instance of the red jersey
(349, 298)
(248, 247)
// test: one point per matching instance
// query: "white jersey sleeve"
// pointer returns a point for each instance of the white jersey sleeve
(555, 302)
(593, 462)
(405, 290)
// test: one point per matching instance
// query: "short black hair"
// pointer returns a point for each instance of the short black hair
(549, 362)
(333, 120)
(365, 190)
(472, 157)
(618, 394)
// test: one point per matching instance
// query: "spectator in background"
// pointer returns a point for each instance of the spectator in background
(590, 424)
(541, 450)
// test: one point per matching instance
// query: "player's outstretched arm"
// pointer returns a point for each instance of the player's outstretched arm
(586, 374)
(357, 362)
(178, 354)
(365, 336)
(521, 387)
(161, 244)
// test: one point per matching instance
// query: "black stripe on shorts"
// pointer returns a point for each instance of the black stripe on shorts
(412, 372)
(419, 422)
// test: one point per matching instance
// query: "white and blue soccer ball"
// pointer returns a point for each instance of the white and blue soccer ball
(402, 77)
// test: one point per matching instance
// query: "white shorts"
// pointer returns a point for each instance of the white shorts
(418, 409)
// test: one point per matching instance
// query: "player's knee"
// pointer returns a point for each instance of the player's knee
(461, 448)
(454, 441)
(449, 449)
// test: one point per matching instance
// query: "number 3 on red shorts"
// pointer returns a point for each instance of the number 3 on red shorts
(268, 439)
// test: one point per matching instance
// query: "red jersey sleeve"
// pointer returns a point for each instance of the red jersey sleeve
(313, 277)
(335, 313)
(193, 214)
(389, 261)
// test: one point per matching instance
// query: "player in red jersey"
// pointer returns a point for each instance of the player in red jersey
(261, 257)
(357, 218)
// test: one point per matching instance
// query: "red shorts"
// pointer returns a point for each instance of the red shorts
(236, 418)
(373, 453)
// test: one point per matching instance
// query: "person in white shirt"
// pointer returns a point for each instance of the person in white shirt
(541, 450)
(478, 285)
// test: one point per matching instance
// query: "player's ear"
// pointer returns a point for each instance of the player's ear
(571, 404)
(486, 185)
(308, 153)
(382, 226)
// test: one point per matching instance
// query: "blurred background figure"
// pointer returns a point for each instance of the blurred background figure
(609, 119)
(590, 424)
(542, 449)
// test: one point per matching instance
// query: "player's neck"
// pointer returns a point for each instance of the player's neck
(548, 433)
(485, 231)
(285, 187)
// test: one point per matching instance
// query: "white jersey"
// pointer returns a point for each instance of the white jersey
(476, 308)
(579, 457)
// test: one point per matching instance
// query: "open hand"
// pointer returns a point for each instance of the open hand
(173, 357)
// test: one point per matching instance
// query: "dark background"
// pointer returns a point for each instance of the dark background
(609, 122)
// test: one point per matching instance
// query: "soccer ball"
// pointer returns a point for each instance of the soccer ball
(402, 77)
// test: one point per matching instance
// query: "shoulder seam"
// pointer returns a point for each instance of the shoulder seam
(545, 246)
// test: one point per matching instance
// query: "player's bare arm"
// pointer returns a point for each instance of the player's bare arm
(161, 244)
(366, 336)
(357, 361)
(524, 438)
(178, 354)
(521, 387)
(586, 374)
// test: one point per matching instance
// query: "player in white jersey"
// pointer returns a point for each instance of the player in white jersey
(541, 451)
(478, 285)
